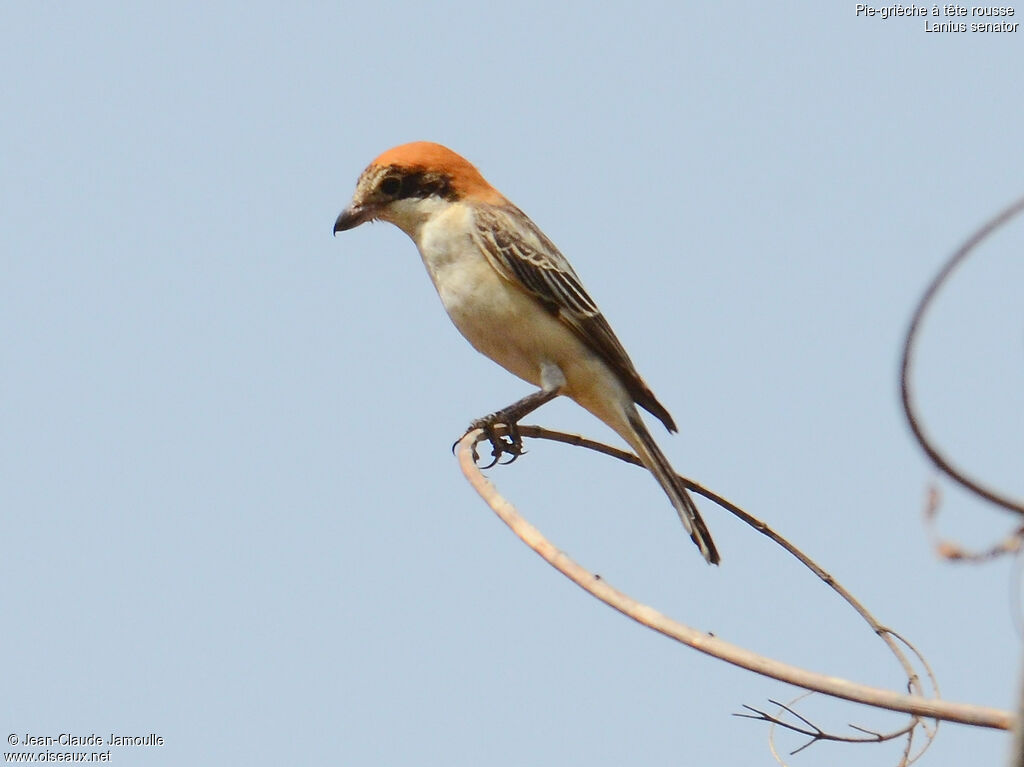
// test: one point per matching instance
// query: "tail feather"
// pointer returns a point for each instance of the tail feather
(656, 462)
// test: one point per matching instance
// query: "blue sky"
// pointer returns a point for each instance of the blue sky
(231, 513)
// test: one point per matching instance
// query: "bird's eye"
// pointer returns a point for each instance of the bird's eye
(390, 185)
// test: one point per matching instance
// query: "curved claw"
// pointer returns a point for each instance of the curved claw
(493, 463)
(510, 460)
(512, 444)
(476, 455)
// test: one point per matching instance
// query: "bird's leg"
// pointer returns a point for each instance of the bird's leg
(552, 382)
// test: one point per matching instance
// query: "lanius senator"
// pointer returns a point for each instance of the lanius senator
(517, 300)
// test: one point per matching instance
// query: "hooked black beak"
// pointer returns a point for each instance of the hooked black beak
(351, 217)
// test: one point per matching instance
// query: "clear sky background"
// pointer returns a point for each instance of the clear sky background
(230, 512)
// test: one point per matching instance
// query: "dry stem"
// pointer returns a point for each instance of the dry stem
(916, 705)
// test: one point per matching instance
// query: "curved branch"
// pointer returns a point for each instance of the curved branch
(909, 409)
(891, 638)
(917, 705)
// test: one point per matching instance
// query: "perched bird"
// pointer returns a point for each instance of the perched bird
(517, 300)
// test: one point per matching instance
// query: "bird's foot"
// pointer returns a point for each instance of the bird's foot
(510, 443)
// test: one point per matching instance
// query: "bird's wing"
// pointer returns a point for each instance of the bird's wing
(522, 254)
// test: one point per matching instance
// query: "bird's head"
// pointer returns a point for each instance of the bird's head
(410, 183)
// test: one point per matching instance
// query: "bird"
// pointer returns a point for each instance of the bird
(517, 300)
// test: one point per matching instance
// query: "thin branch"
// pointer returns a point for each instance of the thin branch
(891, 638)
(930, 732)
(909, 408)
(883, 632)
(912, 704)
(816, 733)
(952, 551)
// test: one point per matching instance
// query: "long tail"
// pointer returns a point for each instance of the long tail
(655, 461)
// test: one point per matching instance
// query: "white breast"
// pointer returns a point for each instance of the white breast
(499, 319)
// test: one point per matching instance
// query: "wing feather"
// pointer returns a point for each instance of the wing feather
(521, 253)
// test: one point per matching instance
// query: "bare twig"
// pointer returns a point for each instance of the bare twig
(815, 733)
(909, 409)
(955, 552)
(912, 704)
